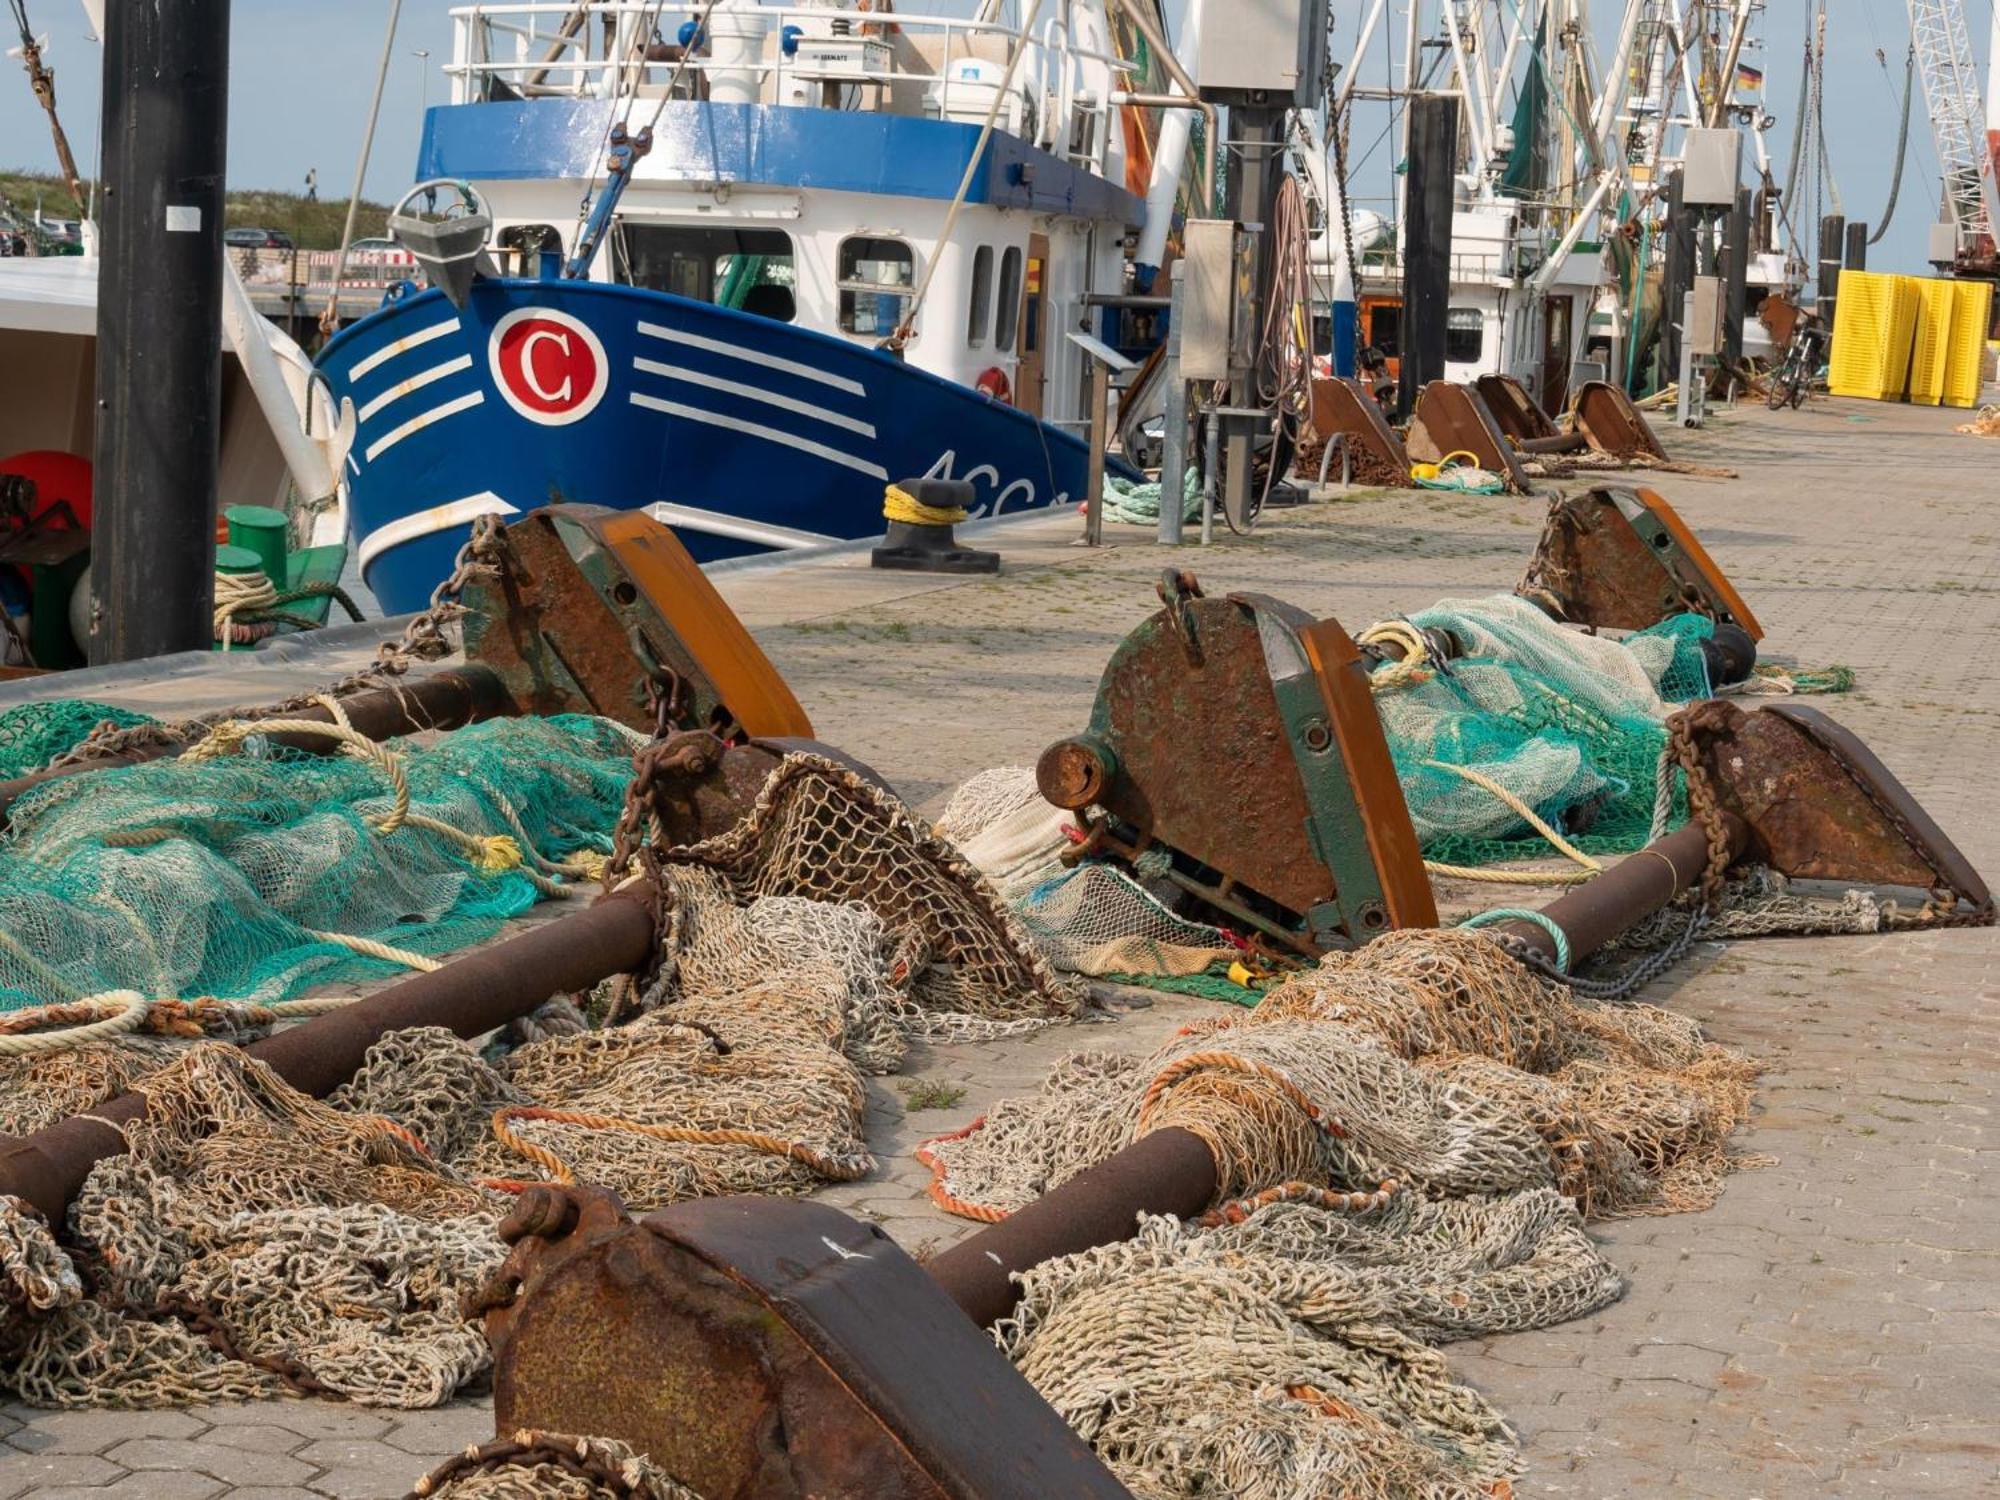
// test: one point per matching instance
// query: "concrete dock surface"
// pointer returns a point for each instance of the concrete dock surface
(1831, 1327)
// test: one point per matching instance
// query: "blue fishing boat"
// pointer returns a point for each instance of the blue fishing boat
(823, 249)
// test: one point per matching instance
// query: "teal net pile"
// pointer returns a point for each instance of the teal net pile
(250, 877)
(1571, 724)
(33, 734)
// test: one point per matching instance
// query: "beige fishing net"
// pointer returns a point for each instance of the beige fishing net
(1290, 1355)
(550, 1466)
(252, 1241)
(1428, 1058)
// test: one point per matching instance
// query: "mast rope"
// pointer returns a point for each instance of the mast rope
(1902, 138)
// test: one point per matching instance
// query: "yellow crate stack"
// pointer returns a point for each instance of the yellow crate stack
(1874, 321)
(1971, 316)
(1929, 350)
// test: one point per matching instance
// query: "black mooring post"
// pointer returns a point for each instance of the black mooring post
(1735, 271)
(1428, 191)
(159, 328)
(1856, 258)
(1832, 244)
(1676, 281)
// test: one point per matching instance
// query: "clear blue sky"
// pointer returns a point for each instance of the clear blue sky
(303, 71)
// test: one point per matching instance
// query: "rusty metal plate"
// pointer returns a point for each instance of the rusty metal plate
(771, 1349)
(1239, 734)
(1821, 806)
(1620, 559)
(1342, 408)
(1606, 415)
(1452, 419)
(1519, 415)
(591, 610)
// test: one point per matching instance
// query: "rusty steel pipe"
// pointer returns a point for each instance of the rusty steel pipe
(471, 995)
(1562, 442)
(444, 700)
(1170, 1171)
(1630, 891)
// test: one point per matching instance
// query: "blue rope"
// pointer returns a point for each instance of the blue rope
(1516, 914)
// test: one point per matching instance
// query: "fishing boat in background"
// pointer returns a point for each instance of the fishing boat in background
(824, 248)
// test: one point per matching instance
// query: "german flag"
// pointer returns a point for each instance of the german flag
(1749, 80)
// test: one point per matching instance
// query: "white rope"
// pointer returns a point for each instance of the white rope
(130, 1015)
(237, 593)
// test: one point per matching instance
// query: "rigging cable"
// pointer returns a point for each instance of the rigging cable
(43, 82)
(1902, 139)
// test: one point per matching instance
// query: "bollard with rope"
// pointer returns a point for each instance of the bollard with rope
(921, 514)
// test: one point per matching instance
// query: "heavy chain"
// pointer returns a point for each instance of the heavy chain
(1620, 985)
(423, 640)
(1707, 717)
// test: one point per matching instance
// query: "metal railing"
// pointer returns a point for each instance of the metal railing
(784, 55)
(310, 272)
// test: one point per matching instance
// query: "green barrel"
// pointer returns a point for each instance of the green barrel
(261, 530)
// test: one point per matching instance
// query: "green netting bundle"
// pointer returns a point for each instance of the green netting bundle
(33, 734)
(181, 879)
(1571, 724)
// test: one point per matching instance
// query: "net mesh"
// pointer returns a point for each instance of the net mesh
(252, 1241)
(33, 734)
(1571, 724)
(220, 878)
(1410, 1138)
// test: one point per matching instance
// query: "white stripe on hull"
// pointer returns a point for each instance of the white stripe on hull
(752, 393)
(755, 357)
(419, 422)
(427, 522)
(415, 383)
(402, 346)
(768, 434)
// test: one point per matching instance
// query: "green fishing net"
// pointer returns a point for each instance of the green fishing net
(1571, 724)
(181, 879)
(33, 734)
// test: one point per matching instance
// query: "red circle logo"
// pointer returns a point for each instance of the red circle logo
(548, 365)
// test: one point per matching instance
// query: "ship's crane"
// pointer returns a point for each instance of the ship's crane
(1956, 102)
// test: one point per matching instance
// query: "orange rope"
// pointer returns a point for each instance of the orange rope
(837, 1168)
(1229, 1062)
(942, 1196)
(1297, 1192)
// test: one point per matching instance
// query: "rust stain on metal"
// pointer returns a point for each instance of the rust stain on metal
(1519, 415)
(1451, 419)
(1821, 806)
(1343, 408)
(594, 611)
(1606, 415)
(1623, 559)
(764, 1348)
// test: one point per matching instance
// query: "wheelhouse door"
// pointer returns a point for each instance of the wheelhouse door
(1556, 345)
(1030, 377)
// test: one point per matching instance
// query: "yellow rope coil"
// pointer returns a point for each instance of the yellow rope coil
(240, 593)
(898, 504)
(1415, 665)
(1590, 867)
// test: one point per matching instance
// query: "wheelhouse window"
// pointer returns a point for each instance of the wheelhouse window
(875, 279)
(521, 247)
(979, 315)
(750, 270)
(1010, 300)
(1464, 335)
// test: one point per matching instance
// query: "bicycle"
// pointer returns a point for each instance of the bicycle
(1791, 380)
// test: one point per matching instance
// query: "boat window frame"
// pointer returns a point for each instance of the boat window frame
(708, 260)
(850, 289)
(1007, 328)
(1477, 330)
(979, 299)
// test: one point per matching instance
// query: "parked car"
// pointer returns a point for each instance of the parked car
(377, 244)
(256, 239)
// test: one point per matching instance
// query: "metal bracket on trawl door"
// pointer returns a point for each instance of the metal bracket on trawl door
(1234, 748)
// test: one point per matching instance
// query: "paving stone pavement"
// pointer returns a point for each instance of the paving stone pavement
(1831, 1327)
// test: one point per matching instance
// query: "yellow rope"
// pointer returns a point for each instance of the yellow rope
(369, 948)
(1415, 665)
(898, 504)
(1591, 868)
(239, 592)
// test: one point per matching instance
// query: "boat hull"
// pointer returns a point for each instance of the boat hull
(751, 434)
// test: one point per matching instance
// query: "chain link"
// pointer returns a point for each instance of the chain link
(1710, 716)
